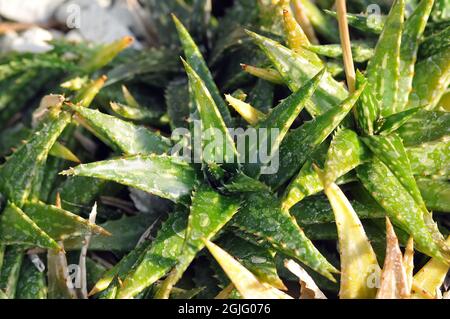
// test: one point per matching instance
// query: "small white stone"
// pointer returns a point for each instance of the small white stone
(29, 11)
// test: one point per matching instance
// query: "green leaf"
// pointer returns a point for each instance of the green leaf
(32, 283)
(431, 78)
(121, 135)
(17, 228)
(431, 159)
(261, 215)
(412, 34)
(161, 175)
(401, 207)
(211, 119)
(301, 142)
(125, 234)
(393, 122)
(281, 118)
(425, 126)
(106, 54)
(60, 224)
(120, 269)
(22, 169)
(210, 211)
(435, 43)
(259, 260)
(435, 193)
(345, 153)
(366, 110)
(158, 259)
(9, 275)
(62, 152)
(316, 210)
(362, 22)
(297, 69)
(383, 69)
(360, 51)
(198, 64)
(390, 150)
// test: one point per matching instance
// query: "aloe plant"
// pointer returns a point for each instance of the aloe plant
(163, 146)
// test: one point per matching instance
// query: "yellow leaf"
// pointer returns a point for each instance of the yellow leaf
(430, 278)
(358, 260)
(309, 289)
(248, 112)
(244, 281)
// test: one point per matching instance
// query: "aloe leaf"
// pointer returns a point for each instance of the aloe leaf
(241, 183)
(430, 159)
(158, 259)
(429, 278)
(425, 126)
(366, 110)
(120, 269)
(261, 215)
(383, 69)
(106, 54)
(267, 74)
(435, 193)
(139, 114)
(18, 228)
(362, 22)
(125, 234)
(9, 275)
(435, 43)
(412, 33)
(316, 210)
(296, 38)
(245, 282)
(360, 51)
(161, 175)
(390, 150)
(78, 193)
(400, 206)
(86, 95)
(358, 260)
(391, 123)
(62, 152)
(259, 260)
(21, 170)
(301, 142)
(60, 224)
(296, 69)
(393, 281)
(281, 119)
(210, 212)
(211, 119)
(198, 64)
(431, 78)
(121, 135)
(248, 112)
(345, 153)
(32, 283)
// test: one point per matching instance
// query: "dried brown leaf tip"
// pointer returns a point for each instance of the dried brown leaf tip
(394, 280)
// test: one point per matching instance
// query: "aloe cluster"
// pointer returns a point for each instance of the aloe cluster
(170, 225)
